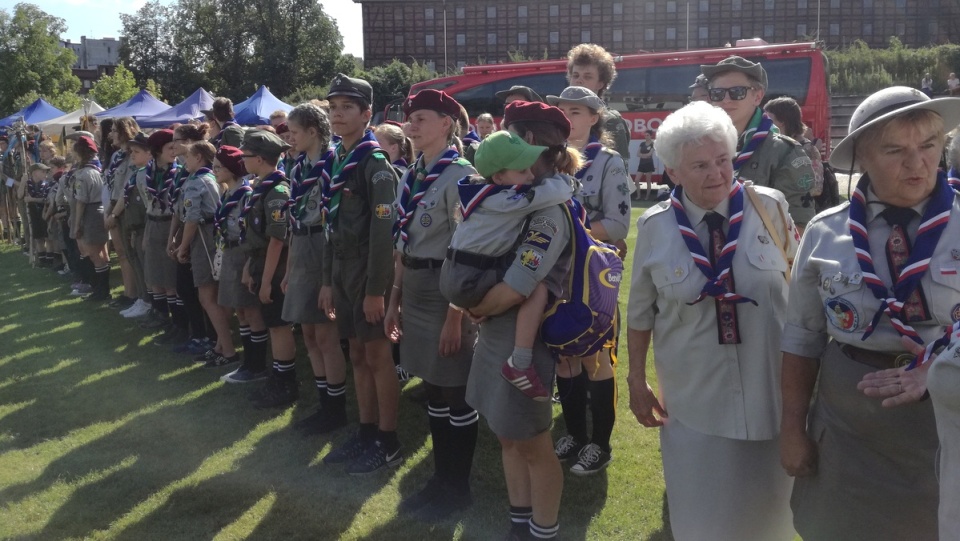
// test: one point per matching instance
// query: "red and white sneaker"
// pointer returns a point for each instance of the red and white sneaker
(526, 380)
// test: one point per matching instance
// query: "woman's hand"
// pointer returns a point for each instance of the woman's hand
(283, 284)
(798, 453)
(247, 280)
(183, 255)
(266, 289)
(325, 302)
(898, 386)
(392, 323)
(644, 404)
(373, 309)
(109, 221)
(450, 335)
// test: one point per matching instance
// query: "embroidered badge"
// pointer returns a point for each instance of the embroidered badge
(948, 271)
(537, 239)
(277, 215)
(187, 203)
(381, 176)
(542, 222)
(312, 205)
(806, 181)
(955, 254)
(624, 208)
(842, 314)
(763, 239)
(384, 212)
(425, 220)
(800, 161)
(531, 259)
(623, 189)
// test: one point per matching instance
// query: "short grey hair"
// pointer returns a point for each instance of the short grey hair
(691, 124)
(953, 151)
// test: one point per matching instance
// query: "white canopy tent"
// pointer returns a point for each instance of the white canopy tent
(55, 125)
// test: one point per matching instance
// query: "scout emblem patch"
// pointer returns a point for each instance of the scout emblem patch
(842, 314)
(383, 212)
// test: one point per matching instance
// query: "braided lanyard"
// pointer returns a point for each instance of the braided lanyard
(262, 188)
(227, 204)
(415, 186)
(337, 171)
(716, 278)
(760, 127)
(932, 224)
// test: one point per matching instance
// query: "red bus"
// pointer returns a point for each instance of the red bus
(651, 85)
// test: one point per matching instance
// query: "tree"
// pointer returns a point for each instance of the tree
(149, 51)
(112, 90)
(64, 102)
(394, 80)
(32, 58)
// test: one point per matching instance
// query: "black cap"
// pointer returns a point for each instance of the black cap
(140, 139)
(263, 143)
(738, 64)
(524, 91)
(349, 86)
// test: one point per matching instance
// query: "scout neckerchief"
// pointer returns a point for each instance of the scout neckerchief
(115, 162)
(473, 194)
(756, 133)
(37, 189)
(471, 137)
(219, 137)
(337, 169)
(301, 184)
(159, 183)
(261, 189)
(401, 162)
(131, 185)
(941, 342)
(417, 181)
(716, 277)
(932, 224)
(953, 177)
(590, 152)
(177, 185)
(227, 204)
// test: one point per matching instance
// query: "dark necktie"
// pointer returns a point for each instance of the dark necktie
(728, 331)
(898, 253)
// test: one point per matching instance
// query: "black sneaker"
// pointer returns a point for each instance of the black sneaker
(567, 448)
(450, 502)
(220, 361)
(97, 297)
(375, 458)
(592, 459)
(348, 450)
(434, 489)
(122, 302)
(244, 375)
(173, 335)
(206, 356)
(154, 321)
(277, 393)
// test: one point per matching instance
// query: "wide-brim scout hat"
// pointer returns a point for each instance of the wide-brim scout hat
(884, 105)
(579, 95)
(739, 64)
(140, 140)
(433, 100)
(349, 86)
(505, 150)
(263, 144)
(524, 91)
(536, 112)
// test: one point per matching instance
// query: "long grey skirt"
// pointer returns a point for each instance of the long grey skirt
(509, 413)
(232, 293)
(202, 250)
(876, 479)
(94, 232)
(423, 313)
(304, 278)
(159, 269)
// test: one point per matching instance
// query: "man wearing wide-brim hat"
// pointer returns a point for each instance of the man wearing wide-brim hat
(764, 156)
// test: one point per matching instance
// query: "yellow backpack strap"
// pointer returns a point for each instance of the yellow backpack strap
(768, 224)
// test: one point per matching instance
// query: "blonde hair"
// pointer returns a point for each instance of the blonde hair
(395, 135)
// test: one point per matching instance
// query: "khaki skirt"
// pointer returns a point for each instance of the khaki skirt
(304, 277)
(231, 292)
(94, 233)
(202, 250)
(159, 269)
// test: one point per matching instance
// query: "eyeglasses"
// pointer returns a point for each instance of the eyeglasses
(736, 93)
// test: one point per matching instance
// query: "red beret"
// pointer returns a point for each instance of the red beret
(282, 128)
(158, 139)
(518, 111)
(434, 100)
(87, 143)
(231, 158)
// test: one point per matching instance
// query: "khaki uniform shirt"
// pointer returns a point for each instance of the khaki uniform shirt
(87, 185)
(435, 219)
(733, 390)
(829, 298)
(617, 127)
(200, 197)
(118, 180)
(543, 256)
(267, 219)
(781, 163)
(605, 194)
(152, 203)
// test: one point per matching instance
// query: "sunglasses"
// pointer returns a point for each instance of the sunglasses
(736, 93)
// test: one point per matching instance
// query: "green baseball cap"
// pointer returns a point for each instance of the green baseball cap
(505, 150)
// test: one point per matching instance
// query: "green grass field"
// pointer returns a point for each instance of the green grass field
(104, 435)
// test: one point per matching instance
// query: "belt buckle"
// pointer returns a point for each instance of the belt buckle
(904, 359)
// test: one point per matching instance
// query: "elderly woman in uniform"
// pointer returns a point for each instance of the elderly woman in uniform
(436, 341)
(603, 188)
(87, 218)
(709, 290)
(883, 267)
(533, 473)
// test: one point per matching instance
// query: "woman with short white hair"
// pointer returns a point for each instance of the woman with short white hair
(709, 290)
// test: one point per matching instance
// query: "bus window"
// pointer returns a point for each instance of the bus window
(655, 88)
(481, 98)
(787, 77)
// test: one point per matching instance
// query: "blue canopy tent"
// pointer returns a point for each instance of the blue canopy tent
(142, 105)
(257, 108)
(184, 111)
(37, 111)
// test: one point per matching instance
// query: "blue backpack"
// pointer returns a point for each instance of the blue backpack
(587, 320)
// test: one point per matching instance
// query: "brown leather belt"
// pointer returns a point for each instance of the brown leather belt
(876, 359)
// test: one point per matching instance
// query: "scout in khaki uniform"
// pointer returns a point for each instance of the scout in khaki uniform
(87, 217)
(763, 155)
(359, 190)
(263, 226)
(220, 119)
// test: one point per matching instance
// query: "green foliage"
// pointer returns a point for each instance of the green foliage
(64, 102)
(32, 58)
(394, 80)
(148, 49)
(112, 90)
(858, 69)
(349, 65)
(305, 94)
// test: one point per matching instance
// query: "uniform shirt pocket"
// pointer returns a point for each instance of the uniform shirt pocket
(680, 282)
(943, 295)
(766, 257)
(846, 298)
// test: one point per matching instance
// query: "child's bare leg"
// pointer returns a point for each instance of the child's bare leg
(528, 326)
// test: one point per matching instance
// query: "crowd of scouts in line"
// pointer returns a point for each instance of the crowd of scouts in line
(443, 246)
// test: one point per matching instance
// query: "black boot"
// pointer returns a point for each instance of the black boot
(101, 285)
(438, 414)
(457, 463)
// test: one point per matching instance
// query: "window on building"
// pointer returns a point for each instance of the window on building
(461, 39)
(703, 32)
(671, 7)
(801, 4)
(491, 38)
(618, 8)
(768, 30)
(398, 40)
(461, 64)
(461, 13)
(429, 40)
(521, 11)
(108, 50)
(834, 29)
(86, 83)
(834, 4)
(768, 4)
(617, 35)
(649, 34)
(584, 9)
(428, 13)
(801, 29)
(671, 32)
(584, 36)
(901, 29)
(735, 31)
(704, 5)
(868, 4)
(492, 12)
(901, 4)
(522, 38)
(651, 7)
(867, 29)
(554, 37)
(736, 5)
(554, 10)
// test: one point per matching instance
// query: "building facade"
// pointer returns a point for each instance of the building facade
(95, 58)
(448, 34)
